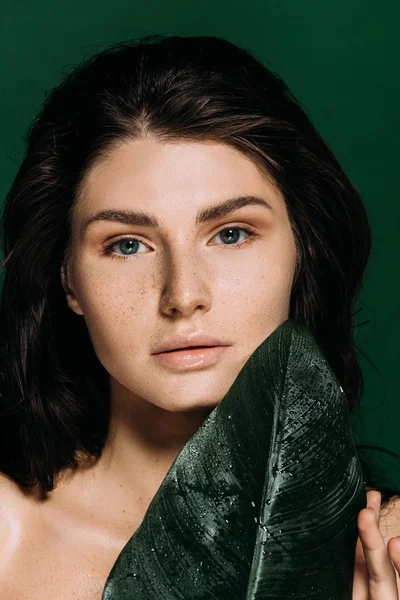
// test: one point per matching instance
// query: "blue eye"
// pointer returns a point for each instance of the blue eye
(127, 247)
(232, 235)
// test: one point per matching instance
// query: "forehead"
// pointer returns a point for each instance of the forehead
(171, 178)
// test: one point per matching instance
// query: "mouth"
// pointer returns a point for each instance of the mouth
(187, 348)
(191, 357)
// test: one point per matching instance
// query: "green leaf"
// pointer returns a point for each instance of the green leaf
(262, 501)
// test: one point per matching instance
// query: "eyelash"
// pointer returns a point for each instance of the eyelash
(108, 249)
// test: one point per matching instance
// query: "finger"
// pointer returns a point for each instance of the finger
(394, 553)
(381, 575)
(360, 579)
(363, 581)
(374, 501)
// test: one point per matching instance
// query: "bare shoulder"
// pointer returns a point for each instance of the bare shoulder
(390, 519)
(9, 489)
(13, 503)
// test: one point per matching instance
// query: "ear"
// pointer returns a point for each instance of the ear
(72, 299)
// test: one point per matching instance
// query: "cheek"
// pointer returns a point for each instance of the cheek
(260, 289)
(114, 307)
(110, 290)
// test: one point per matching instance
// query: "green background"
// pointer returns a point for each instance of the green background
(341, 59)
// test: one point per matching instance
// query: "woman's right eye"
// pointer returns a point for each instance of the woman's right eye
(127, 246)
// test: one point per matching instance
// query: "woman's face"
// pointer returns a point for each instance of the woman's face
(179, 268)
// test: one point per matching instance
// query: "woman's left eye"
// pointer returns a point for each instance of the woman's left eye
(232, 235)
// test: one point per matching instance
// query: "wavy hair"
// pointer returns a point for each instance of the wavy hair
(54, 393)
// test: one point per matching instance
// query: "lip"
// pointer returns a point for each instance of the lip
(190, 358)
(194, 339)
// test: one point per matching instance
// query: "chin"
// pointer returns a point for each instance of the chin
(188, 406)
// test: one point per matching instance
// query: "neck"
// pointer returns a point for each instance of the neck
(144, 439)
(115, 491)
(143, 442)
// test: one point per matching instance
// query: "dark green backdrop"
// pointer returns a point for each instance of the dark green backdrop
(340, 57)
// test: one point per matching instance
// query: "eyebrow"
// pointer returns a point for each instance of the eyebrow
(142, 219)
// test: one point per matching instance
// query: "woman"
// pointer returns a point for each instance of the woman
(144, 165)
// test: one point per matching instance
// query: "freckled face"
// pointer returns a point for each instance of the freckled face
(138, 286)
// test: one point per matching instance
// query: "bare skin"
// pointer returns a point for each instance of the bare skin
(183, 277)
(377, 561)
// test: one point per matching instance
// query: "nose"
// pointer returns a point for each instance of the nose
(186, 285)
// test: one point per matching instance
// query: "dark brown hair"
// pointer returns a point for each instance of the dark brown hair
(53, 390)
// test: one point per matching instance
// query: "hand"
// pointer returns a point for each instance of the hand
(374, 574)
